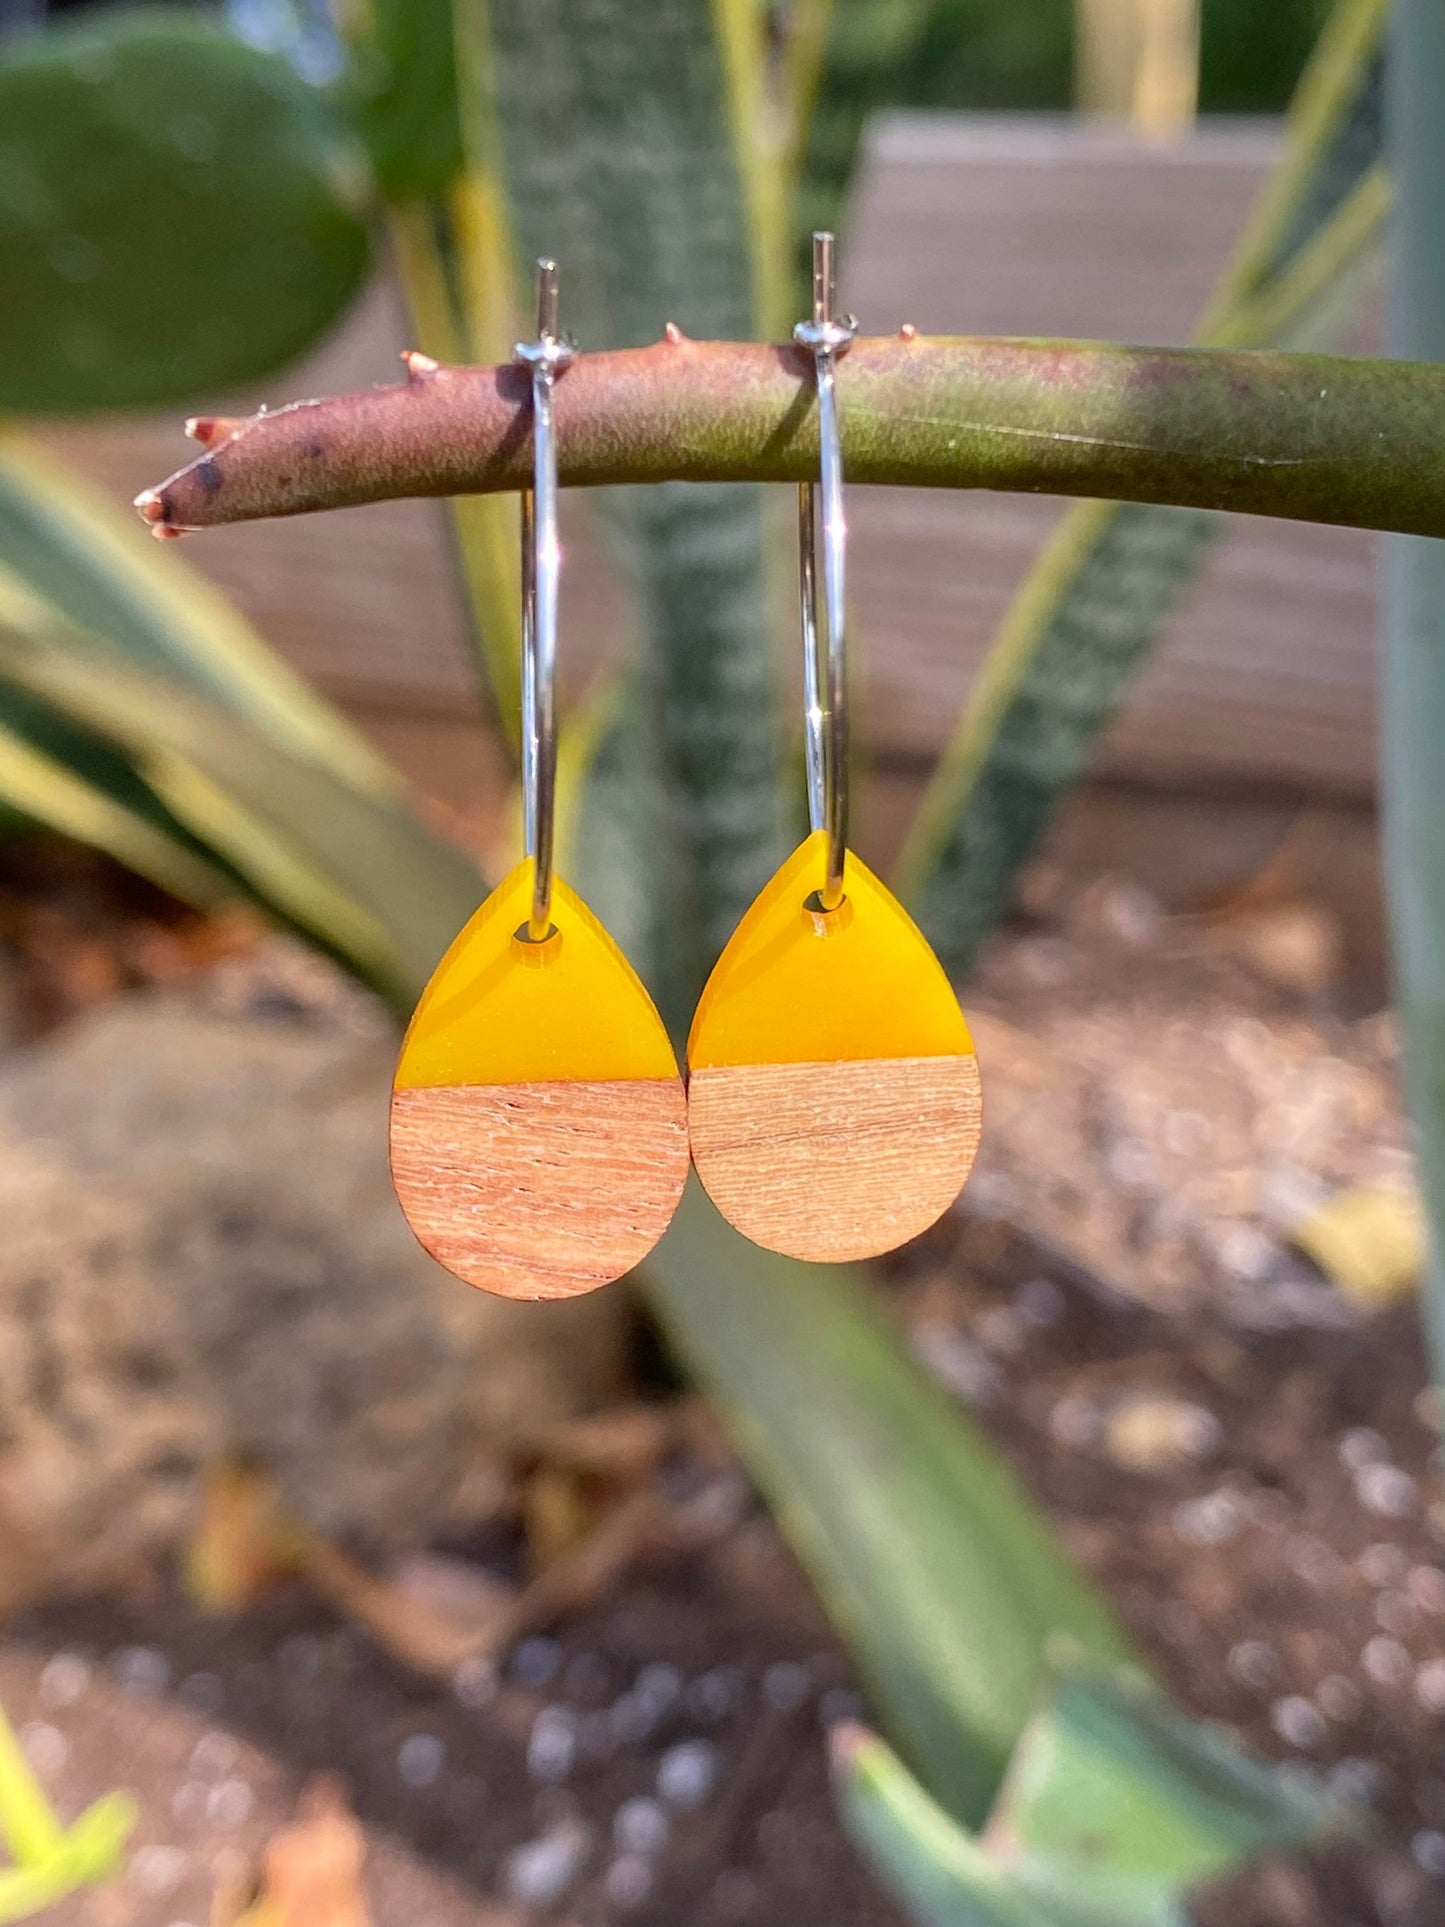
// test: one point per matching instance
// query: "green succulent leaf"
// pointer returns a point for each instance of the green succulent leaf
(51, 1861)
(847, 57)
(620, 133)
(85, 556)
(358, 874)
(1412, 697)
(87, 1854)
(932, 1561)
(1104, 587)
(1115, 1805)
(48, 789)
(178, 212)
(405, 82)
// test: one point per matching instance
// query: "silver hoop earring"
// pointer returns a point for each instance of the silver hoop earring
(538, 1122)
(833, 1094)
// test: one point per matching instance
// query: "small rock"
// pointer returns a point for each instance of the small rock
(1314, 1559)
(785, 1685)
(1255, 1663)
(552, 1745)
(687, 1774)
(421, 1759)
(1209, 1521)
(456, 1590)
(658, 1685)
(641, 1826)
(1074, 1422)
(714, 1695)
(64, 1680)
(1382, 1564)
(1357, 1782)
(1397, 1613)
(159, 1869)
(538, 1873)
(628, 1881)
(1340, 1698)
(1297, 1722)
(1430, 1685)
(1296, 946)
(229, 1804)
(1386, 1490)
(1152, 1432)
(957, 1363)
(1001, 1330)
(1362, 1446)
(1039, 1302)
(1386, 1661)
(475, 1683)
(142, 1670)
(535, 1662)
(46, 1748)
(214, 1756)
(632, 1720)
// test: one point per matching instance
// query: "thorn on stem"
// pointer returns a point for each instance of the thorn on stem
(907, 332)
(673, 334)
(418, 364)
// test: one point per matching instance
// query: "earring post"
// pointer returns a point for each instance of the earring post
(826, 337)
(547, 299)
(545, 357)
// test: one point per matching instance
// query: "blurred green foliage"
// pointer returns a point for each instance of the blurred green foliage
(48, 1861)
(177, 211)
(1112, 1807)
(1018, 55)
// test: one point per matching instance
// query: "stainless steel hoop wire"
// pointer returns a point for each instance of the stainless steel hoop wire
(825, 671)
(546, 357)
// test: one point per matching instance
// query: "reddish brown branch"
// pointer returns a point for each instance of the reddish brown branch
(1316, 437)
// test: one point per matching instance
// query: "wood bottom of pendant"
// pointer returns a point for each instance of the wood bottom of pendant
(835, 1161)
(540, 1190)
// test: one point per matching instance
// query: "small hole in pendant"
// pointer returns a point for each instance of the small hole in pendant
(536, 950)
(827, 923)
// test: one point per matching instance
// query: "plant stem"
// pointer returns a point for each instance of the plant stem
(1315, 437)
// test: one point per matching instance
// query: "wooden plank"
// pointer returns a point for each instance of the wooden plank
(1022, 226)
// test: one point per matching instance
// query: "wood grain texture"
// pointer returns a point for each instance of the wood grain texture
(540, 1190)
(835, 1161)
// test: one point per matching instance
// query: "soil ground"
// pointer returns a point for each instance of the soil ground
(1256, 1495)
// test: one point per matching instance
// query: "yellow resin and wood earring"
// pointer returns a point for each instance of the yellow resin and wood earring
(833, 1091)
(538, 1121)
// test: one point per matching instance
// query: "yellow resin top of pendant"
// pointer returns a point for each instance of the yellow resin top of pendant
(800, 986)
(499, 1010)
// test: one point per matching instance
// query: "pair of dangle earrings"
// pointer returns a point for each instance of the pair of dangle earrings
(540, 1131)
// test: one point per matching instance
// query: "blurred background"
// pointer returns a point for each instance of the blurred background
(381, 1602)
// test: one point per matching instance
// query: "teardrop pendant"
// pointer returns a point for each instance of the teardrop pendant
(538, 1122)
(833, 1094)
